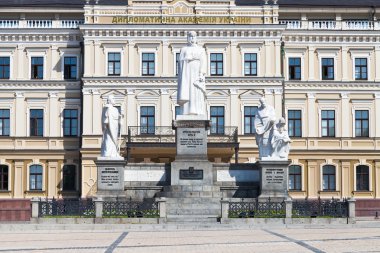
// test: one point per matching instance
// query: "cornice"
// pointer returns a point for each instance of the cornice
(333, 85)
(40, 35)
(39, 85)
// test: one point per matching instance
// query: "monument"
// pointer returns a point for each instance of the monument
(110, 164)
(274, 144)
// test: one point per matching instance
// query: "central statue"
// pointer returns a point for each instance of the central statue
(191, 77)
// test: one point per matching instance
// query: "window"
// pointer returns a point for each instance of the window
(328, 178)
(37, 68)
(217, 119)
(70, 122)
(70, 68)
(36, 122)
(35, 178)
(147, 121)
(361, 72)
(69, 178)
(294, 68)
(294, 123)
(250, 64)
(4, 67)
(361, 123)
(4, 122)
(4, 178)
(177, 63)
(328, 123)
(295, 177)
(178, 111)
(362, 178)
(249, 118)
(148, 64)
(114, 64)
(327, 68)
(216, 64)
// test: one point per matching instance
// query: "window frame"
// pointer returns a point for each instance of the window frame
(244, 62)
(70, 120)
(360, 66)
(294, 174)
(114, 62)
(2, 119)
(76, 67)
(217, 62)
(328, 124)
(4, 65)
(218, 117)
(35, 176)
(2, 176)
(30, 122)
(32, 69)
(368, 177)
(147, 116)
(148, 61)
(329, 175)
(361, 123)
(333, 66)
(75, 178)
(294, 119)
(295, 66)
(252, 119)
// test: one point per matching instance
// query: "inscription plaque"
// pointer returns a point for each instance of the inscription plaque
(110, 177)
(274, 176)
(191, 174)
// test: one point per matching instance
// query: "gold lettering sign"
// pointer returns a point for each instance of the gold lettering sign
(181, 20)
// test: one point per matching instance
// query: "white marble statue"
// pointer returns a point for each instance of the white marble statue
(111, 122)
(264, 121)
(191, 78)
(280, 141)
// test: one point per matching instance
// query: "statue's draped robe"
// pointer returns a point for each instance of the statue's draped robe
(280, 144)
(191, 92)
(264, 130)
(110, 123)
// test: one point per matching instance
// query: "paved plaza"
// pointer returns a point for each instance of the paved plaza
(343, 239)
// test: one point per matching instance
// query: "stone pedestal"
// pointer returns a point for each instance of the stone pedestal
(110, 177)
(191, 165)
(274, 179)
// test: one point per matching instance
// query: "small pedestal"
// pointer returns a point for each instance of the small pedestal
(274, 179)
(110, 177)
(191, 165)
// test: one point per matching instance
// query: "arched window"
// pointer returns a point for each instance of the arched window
(295, 182)
(69, 178)
(35, 177)
(329, 178)
(4, 177)
(362, 178)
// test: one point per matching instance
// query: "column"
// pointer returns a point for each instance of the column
(20, 115)
(313, 179)
(268, 59)
(20, 63)
(18, 182)
(377, 63)
(346, 188)
(131, 58)
(344, 64)
(277, 53)
(234, 63)
(312, 115)
(54, 69)
(376, 182)
(268, 94)
(88, 59)
(311, 64)
(97, 59)
(51, 186)
(131, 108)
(377, 115)
(234, 109)
(345, 107)
(165, 57)
(166, 120)
(87, 112)
(53, 120)
(278, 102)
(97, 108)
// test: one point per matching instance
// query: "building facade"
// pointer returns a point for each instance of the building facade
(318, 65)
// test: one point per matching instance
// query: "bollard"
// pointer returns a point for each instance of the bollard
(98, 207)
(351, 207)
(35, 208)
(162, 206)
(224, 208)
(288, 207)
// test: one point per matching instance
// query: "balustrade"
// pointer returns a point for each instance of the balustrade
(332, 24)
(9, 24)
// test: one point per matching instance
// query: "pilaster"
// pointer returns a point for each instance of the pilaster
(376, 185)
(346, 186)
(312, 115)
(131, 58)
(234, 55)
(268, 56)
(344, 64)
(345, 115)
(20, 126)
(88, 62)
(377, 114)
(165, 108)
(52, 183)
(97, 106)
(87, 112)
(54, 124)
(131, 108)
(377, 63)
(164, 58)
(18, 182)
(312, 179)
(98, 59)
(234, 108)
(311, 51)
(54, 69)
(278, 102)
(20, 75)
(277, 53)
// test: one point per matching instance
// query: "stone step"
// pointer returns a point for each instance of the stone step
(191, 188)
(213, 206)
(213, 212)
(193, 201)
(185, 219)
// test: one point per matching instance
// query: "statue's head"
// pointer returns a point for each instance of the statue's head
(263, 102)
(192, 37)
(111, 100)
(281, 121)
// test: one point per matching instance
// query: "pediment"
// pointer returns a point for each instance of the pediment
(148, 95)
(250, 95)
(118, 96)
(181, 7)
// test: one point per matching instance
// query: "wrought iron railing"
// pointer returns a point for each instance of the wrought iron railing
(257, 209)
(166, 134)
(320, 208)
(66, 207)
(131, 209)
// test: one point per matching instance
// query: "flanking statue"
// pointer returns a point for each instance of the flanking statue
(111, 122)
(191, 77)
(272, 139)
